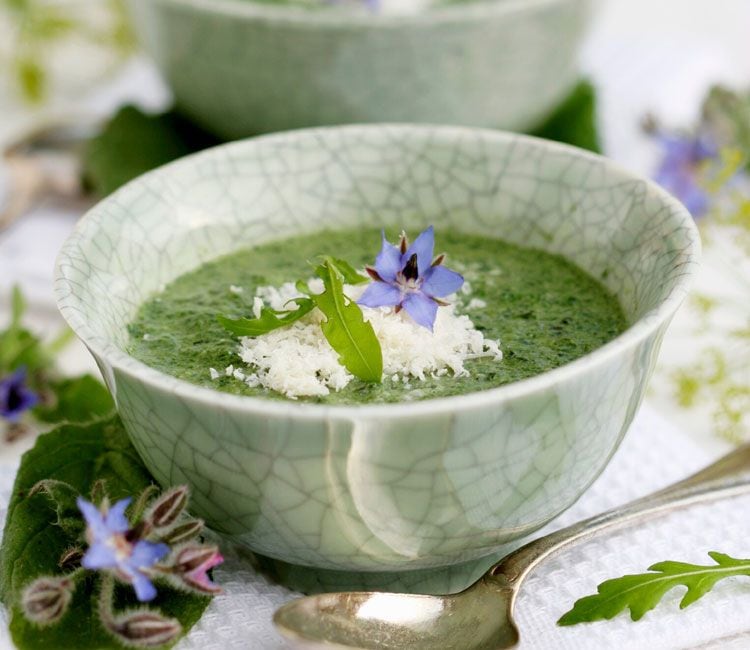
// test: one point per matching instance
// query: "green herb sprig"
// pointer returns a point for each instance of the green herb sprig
(640, 593)
(344, 327)
(58, 398)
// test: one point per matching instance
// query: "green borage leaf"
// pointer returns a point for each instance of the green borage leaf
(269, 320)
(642, 592)
(77, 399)
(39, 528)
(345, 327)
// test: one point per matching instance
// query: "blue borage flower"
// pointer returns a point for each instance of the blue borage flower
(110, 547)
(684, 159)
(15, 397)
(407, 277)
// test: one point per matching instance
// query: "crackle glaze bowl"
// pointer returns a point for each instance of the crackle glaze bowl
(368, 494)
(245, 67)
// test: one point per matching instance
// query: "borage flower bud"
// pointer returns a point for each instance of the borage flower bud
(71, 557)
(146, 629)
(45, 600)
(192, 564)
(184, 532)
(168, 507)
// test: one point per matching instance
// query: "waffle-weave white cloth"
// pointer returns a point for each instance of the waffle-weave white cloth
(653, 454)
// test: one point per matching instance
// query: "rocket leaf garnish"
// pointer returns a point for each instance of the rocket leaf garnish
(269, 319)
(640, 593)
(345, 327)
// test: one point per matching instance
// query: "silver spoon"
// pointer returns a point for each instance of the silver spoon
(481, 617)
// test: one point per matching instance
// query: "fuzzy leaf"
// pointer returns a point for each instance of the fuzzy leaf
(78, 455)
(345, 327)
(79, 399)
(134, 142)
(269, 319)
(574, 120)
(642, 592)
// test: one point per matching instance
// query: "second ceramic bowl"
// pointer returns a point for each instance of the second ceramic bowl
(241, 67)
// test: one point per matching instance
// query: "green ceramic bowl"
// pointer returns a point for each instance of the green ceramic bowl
(243, 68)
(381, 488)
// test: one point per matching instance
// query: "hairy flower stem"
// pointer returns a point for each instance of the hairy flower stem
(106, 600)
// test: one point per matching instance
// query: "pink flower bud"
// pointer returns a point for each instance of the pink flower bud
(192, 564)
(45, 600)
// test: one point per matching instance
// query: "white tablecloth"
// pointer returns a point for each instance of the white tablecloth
(643, 56)
(653, 454)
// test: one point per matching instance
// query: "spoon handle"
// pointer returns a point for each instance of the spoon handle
(728, 476)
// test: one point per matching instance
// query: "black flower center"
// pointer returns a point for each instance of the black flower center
(411, 271)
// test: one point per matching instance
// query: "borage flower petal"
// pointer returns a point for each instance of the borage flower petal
(421, 308)
(440, 282)
(116, 521)
(380, 294)
(15, 397)
(388, 261)
(417, 281)
(423, 247)
(110, 548)
(679, 171)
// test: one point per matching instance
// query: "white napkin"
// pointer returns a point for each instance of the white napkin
(653, 454)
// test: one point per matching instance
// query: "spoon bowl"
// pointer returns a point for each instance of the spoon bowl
(471, 620)
(481, 617)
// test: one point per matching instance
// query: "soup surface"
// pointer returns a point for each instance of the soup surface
(543, 310)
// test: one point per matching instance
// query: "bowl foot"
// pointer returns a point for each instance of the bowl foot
(439, 580)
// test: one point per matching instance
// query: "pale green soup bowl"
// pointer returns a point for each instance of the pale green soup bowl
(364, 493)
(245, 67)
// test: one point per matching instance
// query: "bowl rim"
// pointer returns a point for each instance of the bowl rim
(301, 16)
(640, 330)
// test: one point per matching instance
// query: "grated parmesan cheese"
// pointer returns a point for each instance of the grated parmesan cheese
(298, 360)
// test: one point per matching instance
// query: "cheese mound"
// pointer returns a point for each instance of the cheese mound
(298, 360)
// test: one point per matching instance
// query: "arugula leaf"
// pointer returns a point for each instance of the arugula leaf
(348, 272)
(345, 327)
(269, 319)
(574, 120)
(78, 399)
(38, 529)
(640, 593)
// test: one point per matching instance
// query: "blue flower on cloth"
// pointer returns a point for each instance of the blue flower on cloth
(15, 397)
(680, 169)
(110, 548)
(407, 277)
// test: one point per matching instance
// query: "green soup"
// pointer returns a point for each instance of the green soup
(544, 311)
